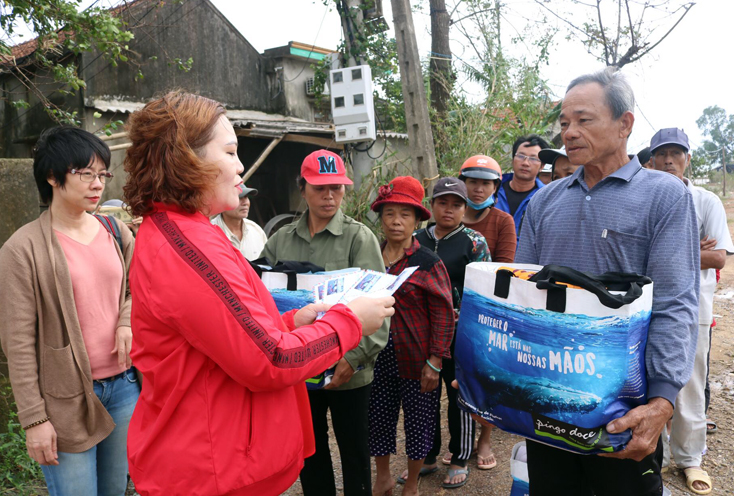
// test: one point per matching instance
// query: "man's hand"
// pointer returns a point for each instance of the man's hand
(429, 377)
(123, 344)
(342, 374)
(307, 315)
(707, 244)
(41, 443)
(646, 422)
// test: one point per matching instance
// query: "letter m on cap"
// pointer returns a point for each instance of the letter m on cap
(327, 165)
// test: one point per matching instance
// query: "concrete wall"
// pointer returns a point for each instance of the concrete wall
(396, 157)
(19, 202)
(297, 104)
(225, 66)
(20, 127)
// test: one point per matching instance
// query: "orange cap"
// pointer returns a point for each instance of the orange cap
(481, 167)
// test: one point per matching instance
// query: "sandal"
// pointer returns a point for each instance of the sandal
(486, 466)
(424, 471)
(697, 475)
(453, 472)
(711, 426)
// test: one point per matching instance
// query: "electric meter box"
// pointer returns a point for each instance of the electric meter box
(352, 104)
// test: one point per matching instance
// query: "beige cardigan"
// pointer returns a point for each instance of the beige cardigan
(42, 340)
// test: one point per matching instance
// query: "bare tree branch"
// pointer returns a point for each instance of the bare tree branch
(603, 34)
(632, 26)
(619, 29)
(472, 15)
(539, 2)
(644, 51)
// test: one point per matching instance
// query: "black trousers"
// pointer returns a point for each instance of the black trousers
(349, 411)
(555, 472)
(461, 426)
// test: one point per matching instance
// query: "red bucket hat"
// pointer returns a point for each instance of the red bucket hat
(404, 190)
(324, 167)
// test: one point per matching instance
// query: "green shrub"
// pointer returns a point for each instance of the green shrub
(18, 473)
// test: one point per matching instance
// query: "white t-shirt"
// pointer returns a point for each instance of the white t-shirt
(712, 223)
(253, 237)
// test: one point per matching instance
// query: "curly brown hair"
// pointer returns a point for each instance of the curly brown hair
(165, 162)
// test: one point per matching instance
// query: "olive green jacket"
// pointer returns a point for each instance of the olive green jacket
(342, 244)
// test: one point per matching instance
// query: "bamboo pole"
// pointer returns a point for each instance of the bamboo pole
(261, 158)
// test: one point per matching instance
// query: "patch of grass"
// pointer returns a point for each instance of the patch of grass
(18, 473)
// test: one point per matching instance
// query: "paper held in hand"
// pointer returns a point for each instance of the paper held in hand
(350, 286)
(346, 288)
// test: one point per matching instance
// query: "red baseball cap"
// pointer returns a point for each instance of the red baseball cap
(324, 167)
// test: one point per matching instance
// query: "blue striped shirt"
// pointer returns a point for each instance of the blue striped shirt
(634, 220)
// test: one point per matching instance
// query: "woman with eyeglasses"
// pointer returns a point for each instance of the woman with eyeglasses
(65, 322)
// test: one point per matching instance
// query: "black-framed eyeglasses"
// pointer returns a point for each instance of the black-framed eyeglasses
(532, 160)
(88, 176)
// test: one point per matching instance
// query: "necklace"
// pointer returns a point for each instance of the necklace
(391, 263)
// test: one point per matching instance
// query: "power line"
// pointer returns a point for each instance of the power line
(313, 45)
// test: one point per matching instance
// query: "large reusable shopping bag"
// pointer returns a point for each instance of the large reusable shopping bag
(291, 283)
(519, 470)
(553, 354)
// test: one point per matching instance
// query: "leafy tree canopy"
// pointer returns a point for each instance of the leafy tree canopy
(62, 30)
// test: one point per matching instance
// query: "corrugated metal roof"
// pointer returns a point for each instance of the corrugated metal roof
(392, 135)
(28, 47)
(263, 124)
(114, 105)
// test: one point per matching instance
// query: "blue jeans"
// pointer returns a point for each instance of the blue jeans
(101, 470)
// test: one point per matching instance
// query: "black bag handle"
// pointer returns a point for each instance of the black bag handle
(550, 275)
(288, 267)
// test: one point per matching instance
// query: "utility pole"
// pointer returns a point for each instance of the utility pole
(420, 137)
(352, 22)
(441, 78)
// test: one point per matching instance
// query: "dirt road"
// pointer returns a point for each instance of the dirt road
(718, 461)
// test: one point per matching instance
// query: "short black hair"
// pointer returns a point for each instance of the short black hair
(60, 149)
(644, 155)
(531, 140)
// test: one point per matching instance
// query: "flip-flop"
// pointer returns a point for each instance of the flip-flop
(486, 466)
(453, 472)
(696, 475)
(711, 426)
(424, 471)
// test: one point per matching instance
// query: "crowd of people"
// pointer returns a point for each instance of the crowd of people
(93, 308)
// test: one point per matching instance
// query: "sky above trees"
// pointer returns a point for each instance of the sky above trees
(673, 84)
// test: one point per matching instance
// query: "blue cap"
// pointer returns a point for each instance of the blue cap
(669, 136)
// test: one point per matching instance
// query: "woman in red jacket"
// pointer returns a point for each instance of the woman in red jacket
(223, 408)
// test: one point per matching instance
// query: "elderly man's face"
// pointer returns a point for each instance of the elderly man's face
(587, 128)
(672, 159)
(563, 168)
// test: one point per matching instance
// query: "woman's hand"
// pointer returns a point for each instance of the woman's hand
(307, 315)
(41, 443)
(429, 377)
(372, 312)
(123, 344)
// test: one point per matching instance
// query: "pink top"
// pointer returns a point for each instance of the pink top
(96, 276)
